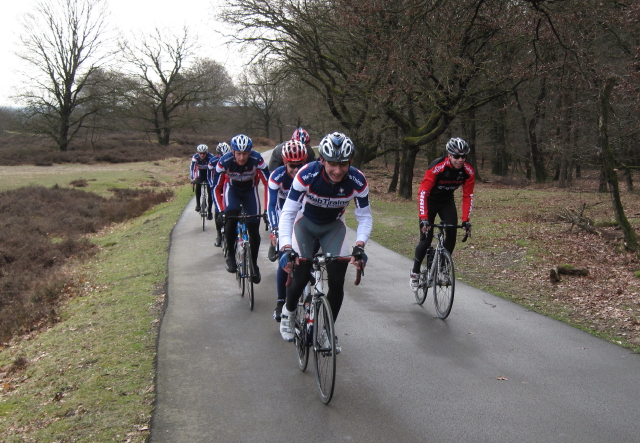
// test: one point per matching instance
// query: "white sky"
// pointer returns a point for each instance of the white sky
(128, 16)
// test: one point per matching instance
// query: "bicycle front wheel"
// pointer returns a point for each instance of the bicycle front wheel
(223, 239)
(300, 337)
(240, 273)
(203, 205)
(423, 287)
(444, 284)
(248, 276)
(324, 349)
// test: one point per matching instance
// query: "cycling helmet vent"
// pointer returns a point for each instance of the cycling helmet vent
(241, 143)
(302, 136)
(336, 147)
(457, 146)
(222, 149)
(294, 151)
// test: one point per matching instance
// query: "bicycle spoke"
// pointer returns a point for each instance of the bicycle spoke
(324, 350)
(444, 284)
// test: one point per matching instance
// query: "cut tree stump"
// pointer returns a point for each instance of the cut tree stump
(554, 274)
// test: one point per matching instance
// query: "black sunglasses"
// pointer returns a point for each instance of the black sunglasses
(459, 156)
(295, 165)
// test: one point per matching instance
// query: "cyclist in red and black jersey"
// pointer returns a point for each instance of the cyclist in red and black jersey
(435, 197)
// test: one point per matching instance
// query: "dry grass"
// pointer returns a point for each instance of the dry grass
(40, 230)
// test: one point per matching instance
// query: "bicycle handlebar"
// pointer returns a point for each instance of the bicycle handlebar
(327, 259)
(447, 225)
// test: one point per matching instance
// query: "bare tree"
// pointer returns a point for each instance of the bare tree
(64, 43)
(168, 85)
(263, 91)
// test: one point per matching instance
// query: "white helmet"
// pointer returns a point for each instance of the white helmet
(457, 146)
(336, 147)
(222, 149)
(202, 148)
(241, 143)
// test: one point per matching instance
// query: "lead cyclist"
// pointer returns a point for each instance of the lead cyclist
(314, 210)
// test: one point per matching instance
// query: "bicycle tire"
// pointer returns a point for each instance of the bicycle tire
(223, 240)
(324, 349)
(248, 275)
(423, 288)
(203, 204)
(300, 337)
(240, 272)
(444, 284)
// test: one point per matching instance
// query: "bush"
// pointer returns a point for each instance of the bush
(40, 230)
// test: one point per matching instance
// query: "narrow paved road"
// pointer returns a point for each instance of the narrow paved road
(492, 372)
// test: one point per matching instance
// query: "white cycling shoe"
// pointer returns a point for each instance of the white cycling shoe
(287, 322)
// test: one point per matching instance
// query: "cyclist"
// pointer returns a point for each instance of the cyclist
(221, 150)
(276, 161)
(314, 209)
(294, 154)
(300, 135)
(244, 169)
(435, 197)
(199, 174)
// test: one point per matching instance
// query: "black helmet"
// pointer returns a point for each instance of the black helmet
(336, 147)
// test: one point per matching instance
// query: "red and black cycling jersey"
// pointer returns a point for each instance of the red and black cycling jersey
(441, 180)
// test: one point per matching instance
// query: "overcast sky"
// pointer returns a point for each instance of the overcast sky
(127, 15)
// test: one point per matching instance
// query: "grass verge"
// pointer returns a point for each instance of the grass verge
(90, 377)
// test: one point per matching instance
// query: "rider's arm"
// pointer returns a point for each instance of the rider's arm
(467, 193)
(272, 202)
(218, 187)
(287, 217)
(428, 181)
(192, 168)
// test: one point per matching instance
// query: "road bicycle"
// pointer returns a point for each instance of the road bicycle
(314, 329)
(438, 273)
(204, 209)
(245, 268)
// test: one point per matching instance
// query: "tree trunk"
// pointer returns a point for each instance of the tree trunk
(608, 167)
(407, 162)
(393, 186)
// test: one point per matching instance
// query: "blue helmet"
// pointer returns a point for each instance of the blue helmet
(336, 147)
(241, 143)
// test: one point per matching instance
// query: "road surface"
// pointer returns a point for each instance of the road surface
(492, 372)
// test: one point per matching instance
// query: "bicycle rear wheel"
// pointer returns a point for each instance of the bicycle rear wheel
(423, 287)
(300, 337)
(444, 284)
(324, 349)
(248, 275)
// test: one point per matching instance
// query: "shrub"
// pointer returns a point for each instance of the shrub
(40, 230)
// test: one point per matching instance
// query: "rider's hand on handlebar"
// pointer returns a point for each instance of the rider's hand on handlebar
(425, 225)
(359, 257)
(467, 227)
(273, 236)
(288, 256)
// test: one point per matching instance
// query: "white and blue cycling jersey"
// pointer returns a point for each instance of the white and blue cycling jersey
(315, 197)
(279, 185)
(199, 167)
(242, 182)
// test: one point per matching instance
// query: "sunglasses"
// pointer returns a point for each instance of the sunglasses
(295, 165)
(459, 156)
